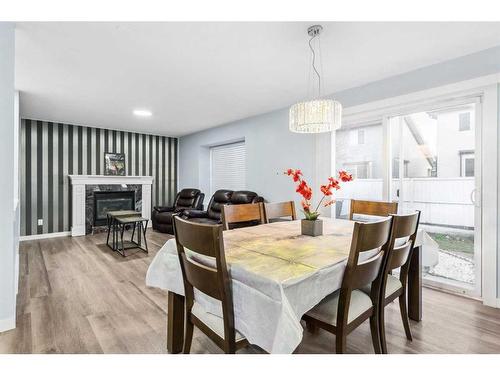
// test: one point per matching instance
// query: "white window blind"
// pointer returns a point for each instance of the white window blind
(228, 167)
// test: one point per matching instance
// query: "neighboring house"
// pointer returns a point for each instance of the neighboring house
(436, 144)
(455, 139)
(359, 151)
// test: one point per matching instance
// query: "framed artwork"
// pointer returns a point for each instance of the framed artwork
(114, 164)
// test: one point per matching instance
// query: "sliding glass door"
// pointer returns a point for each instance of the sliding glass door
(435, 168)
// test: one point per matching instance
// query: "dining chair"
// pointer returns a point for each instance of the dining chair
(243, 214)
(403, 235)
(279, 210)
(372, 208)
(204, 268)
(344, 310)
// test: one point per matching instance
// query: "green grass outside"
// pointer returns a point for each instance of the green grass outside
(454, 242)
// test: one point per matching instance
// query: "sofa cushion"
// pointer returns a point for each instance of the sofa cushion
(243, 197)
(189, 193)
(186, 198)
(185, 202)
(219, 199)
(164, 217)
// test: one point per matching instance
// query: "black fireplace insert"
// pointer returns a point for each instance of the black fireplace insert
(105, 201)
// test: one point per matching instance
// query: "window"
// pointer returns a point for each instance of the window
(357, 137)
(395, 168)
(361, 137)
(360, 170)
(228, 167)
(464, 121)
(466, 164)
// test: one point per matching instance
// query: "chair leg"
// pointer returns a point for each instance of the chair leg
(404, 316)
(311, 327)
(381, 324)
(340, 343)
(230, 347)
(188, 336)
(374, 328)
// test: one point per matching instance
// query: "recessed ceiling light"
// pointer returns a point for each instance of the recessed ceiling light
(142, 113)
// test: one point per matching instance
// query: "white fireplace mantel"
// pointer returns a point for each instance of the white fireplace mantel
(78, 183)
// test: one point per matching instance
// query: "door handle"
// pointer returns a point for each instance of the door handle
(473, 196)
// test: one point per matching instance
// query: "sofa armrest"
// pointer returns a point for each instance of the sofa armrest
(163, 209)
(191, 214)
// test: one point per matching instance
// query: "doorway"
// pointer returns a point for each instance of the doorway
(435, 168)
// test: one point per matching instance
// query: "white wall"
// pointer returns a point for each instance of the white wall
(7, 218)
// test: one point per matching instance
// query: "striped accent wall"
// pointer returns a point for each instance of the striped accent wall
(51, 151)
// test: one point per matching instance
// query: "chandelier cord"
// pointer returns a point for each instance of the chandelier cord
(314, 66)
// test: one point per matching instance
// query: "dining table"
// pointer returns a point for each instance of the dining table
(277, 275)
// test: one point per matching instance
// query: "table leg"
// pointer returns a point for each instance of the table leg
(108, 224)
(175, 323)
(415, 285)
(144, 227)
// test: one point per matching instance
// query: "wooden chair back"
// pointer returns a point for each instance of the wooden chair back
(240, 213)
(213, 280)
(373, 208)
(404, 229)
(280, 210)
(366, 237)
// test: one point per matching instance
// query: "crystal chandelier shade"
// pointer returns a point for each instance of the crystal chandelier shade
(317, 115)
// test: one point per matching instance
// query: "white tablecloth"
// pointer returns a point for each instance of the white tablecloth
(267, 310)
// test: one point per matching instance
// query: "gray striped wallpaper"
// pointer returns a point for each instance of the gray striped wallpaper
(51, 151)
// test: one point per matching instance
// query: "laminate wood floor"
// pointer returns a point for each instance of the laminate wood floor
(77, 296)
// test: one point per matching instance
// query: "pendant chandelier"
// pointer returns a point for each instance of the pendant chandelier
(317, 115)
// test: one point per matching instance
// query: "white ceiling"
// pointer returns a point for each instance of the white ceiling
(193, 76)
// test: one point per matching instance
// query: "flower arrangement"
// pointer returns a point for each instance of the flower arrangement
(306, 192)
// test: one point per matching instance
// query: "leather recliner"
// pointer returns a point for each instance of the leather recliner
(213, 214)
(185, 199)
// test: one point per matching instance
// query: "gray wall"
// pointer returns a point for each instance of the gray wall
(271, 147)
(7, 218)
(51, 151)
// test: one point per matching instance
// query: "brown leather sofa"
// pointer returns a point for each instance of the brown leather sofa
(185, 199)
(213, 214)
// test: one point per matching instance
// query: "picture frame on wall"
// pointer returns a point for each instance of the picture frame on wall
(114, 164)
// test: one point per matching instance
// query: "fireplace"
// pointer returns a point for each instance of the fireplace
(105, 201)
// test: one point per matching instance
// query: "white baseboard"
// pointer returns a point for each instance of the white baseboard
(44, 235)
(7, 324)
